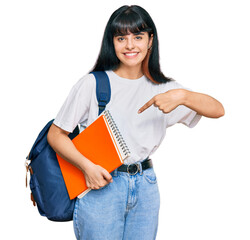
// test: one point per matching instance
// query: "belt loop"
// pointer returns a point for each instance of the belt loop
(140, 168)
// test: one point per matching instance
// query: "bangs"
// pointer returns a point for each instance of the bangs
(128, 22)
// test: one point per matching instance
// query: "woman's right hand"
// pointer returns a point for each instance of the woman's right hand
(96, 176)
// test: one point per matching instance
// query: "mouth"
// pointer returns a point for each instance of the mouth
(131, 54)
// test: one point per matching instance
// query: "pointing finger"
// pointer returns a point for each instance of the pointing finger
(147, 105)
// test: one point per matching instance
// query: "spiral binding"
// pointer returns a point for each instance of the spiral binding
(117, 133)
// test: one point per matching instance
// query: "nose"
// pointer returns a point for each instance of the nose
(130, 44)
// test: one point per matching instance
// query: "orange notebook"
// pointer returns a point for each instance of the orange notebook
(102, 143)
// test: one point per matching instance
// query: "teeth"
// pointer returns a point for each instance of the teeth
(130, 54)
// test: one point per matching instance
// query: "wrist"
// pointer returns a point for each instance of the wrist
(183, 96)
(85, 164)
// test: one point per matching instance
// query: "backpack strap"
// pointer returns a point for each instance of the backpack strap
(103, 90)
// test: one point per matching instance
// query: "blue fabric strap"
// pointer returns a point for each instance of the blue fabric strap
(103, 90)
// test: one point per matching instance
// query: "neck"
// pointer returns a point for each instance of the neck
(129, 72)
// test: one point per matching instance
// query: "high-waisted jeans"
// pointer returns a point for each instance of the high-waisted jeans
(126, 209)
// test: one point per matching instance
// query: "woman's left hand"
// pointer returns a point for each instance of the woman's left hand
(166, 102)
(201, 103)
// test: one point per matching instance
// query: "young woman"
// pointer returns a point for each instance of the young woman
(124, 204)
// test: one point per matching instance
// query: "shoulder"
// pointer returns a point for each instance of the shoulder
(87, 81)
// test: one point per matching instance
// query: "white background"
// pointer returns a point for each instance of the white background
(203, 173)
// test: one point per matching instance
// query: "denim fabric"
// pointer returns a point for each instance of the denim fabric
(126, 209)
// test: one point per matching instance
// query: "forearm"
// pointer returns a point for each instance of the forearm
(64, 147)
(203, 104)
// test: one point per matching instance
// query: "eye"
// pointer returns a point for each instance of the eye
(120, 39)
(138, 37)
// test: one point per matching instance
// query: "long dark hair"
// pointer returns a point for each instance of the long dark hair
(131, 19)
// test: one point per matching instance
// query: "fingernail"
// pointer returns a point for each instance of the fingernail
(139, 111)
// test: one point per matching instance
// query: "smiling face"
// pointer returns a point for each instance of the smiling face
(131, 49)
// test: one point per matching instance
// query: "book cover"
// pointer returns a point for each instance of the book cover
(102, 143)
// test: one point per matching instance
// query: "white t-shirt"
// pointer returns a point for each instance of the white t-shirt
(144, 132)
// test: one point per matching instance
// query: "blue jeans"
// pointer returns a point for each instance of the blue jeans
(126, 209)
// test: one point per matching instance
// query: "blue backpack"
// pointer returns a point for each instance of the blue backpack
(48, 190)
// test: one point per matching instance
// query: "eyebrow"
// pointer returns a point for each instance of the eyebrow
(139, 33)
(124, 34)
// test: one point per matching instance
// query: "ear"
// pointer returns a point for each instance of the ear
(150, 43)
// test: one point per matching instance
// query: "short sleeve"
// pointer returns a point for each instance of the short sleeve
(75, 109)
(181, 114)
